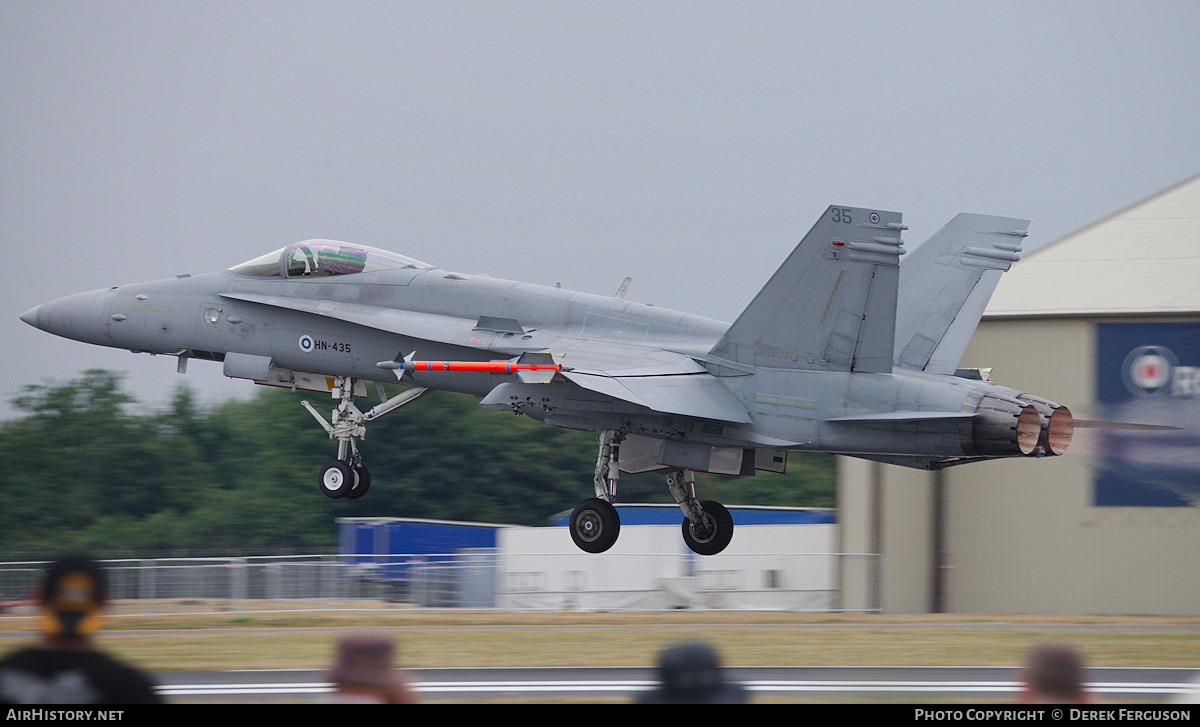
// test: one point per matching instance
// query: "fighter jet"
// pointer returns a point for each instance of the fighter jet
(843, 350)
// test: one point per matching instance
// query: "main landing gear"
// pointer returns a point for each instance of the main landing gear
(346, 476)
(595, 525)
(707, 526)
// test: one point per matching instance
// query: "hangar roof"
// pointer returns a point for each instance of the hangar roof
(1144, 259)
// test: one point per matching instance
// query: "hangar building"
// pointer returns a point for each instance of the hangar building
(1107, 322)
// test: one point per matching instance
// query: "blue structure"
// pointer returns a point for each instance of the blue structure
(364, 537)
(429, 562)
(633, 514)
(1147, 372)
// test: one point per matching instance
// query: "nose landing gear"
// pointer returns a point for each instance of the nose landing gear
(339, 479)
(347, 476)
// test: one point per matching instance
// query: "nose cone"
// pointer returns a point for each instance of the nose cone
(31, 316)
(82, 317)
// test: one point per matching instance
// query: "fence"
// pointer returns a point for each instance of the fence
(479, 578)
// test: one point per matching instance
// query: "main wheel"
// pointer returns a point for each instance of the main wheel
(362, 481)
(720, 529)
(595, 525)
(336, 478)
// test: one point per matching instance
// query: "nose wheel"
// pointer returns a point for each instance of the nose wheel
(336, 478)
(362, 482)
(347, 477)
(339, 479)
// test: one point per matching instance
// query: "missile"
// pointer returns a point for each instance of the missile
(489, 367)
(532, 368)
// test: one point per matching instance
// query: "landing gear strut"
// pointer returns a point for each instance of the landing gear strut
(347, 476)
(594, 524)
(707, 526)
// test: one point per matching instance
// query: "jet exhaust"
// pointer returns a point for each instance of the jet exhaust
(1056, 421)
(1060, 430)
(1003, 427)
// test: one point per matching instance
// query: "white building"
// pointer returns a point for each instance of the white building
(779, 559)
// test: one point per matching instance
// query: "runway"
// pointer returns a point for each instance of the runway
(849, 684)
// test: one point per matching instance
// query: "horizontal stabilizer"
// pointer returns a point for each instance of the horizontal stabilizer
(930, 464)
(902, 416)
(831, 306)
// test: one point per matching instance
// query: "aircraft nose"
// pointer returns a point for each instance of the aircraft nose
(31, 316)
(81, 317)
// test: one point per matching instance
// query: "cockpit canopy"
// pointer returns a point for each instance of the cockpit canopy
(320, 258)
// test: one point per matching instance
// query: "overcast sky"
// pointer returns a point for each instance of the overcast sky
(686, 144)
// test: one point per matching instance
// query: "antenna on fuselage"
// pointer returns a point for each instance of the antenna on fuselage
(624, 287)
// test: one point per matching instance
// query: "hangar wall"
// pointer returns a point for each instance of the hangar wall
(1043, 535)
(1021, 535)
(887, 510)
(1026, 535)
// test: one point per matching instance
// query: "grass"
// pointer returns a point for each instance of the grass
(498, 639)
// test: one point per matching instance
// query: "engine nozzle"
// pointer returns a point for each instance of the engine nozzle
(1057, 423)
(1003, 427)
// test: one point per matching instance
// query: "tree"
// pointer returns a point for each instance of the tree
(88, 468)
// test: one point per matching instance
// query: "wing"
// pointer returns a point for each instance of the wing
(680, 387)
(831, 306)
(946, 283)
(643, 375)
(656, 379)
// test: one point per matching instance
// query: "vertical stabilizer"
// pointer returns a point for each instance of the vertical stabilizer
(945, 285)
(831, 306)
